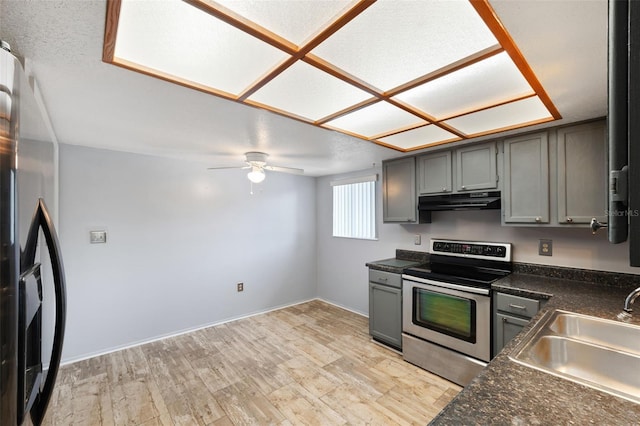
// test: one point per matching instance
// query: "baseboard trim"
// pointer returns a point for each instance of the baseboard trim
(188, 330)
(342, 307)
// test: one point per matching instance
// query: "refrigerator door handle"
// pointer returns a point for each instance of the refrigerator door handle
(42, 220)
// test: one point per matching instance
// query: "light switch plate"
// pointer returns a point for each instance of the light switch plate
(545, 247)
(97, 237)
(417, 240)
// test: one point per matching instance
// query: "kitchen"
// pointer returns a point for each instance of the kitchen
(283, 255)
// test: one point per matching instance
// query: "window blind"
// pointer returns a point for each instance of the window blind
(354, 207)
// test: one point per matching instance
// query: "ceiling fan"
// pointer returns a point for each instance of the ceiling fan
(257, 162)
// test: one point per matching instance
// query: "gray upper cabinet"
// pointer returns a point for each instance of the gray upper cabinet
(582, 173)
(434, 173)
(526, 179)
(476, 167)
(399, 190)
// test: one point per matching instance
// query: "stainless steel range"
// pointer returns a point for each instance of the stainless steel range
(446, 310)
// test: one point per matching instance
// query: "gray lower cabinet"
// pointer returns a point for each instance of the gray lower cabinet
(399, 191)
(511, 314)
(526, 186)
(506, 328)
(385, 308)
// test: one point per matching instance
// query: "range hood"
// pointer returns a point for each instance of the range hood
(465, 201)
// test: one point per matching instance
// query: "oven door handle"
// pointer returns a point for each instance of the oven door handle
(466, 289)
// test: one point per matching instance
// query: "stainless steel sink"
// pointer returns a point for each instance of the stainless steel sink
(595, 352)
(598, 331)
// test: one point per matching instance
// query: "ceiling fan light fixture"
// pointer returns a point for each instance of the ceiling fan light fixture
(256, 175)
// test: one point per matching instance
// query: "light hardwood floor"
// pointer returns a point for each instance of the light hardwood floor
(311, 363)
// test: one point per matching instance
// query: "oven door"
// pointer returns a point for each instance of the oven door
(449, 317)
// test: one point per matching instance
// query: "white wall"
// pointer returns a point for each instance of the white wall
(179, 238)
(342, 275)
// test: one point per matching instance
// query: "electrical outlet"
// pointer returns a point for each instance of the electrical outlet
(97, 237)
(240, 287)
(545, 247)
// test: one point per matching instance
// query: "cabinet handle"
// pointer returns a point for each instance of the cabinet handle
(383, 279)
(444, 189)
(506, 321)
(570, 220)
(463, 187)
(538, 219)
(511, 305)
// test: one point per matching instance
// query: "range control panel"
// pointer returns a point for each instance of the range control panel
(471, 249)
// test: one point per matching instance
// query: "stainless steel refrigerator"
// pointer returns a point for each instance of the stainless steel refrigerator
(32, 286)
(624, 126)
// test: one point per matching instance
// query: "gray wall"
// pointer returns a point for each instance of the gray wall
(342, 275)
(179, 238)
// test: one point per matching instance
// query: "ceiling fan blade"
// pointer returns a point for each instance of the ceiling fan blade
(228, 167)
(284, 169)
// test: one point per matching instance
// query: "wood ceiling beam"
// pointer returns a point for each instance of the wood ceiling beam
(230, 17)
(111, 30)
(387, 96)
(324, 34)
(492, 21)
(447, 69)
(303, 53)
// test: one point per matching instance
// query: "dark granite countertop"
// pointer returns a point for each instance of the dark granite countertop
(507, 393)
(404, 259)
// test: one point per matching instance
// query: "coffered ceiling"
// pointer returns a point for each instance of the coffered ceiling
(94, 103)
(403, 74)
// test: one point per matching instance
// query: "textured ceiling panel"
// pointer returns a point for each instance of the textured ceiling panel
(488, 82)
(420, 137)
(392, 43)
(504, 116)
(375, 119)
(178, 39)
(369, 69)
(96, 104)
(308, 92)
(294, 20)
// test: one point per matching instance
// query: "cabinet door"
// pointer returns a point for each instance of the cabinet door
(476, 167)
(399, 190)
(506, 328)
(434, 173)
(526, 179)
(385, 314)
(582, 173)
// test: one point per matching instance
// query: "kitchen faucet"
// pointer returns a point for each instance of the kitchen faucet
(630, 299)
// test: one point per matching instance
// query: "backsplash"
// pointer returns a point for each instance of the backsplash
(418, 256)
(604, 278)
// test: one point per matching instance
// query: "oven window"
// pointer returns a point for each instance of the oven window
(451, 315)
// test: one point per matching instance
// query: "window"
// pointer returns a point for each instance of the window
(354, 207)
